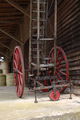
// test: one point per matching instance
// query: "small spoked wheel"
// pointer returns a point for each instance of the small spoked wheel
(18, 71)
(62, 70)
(54, 96)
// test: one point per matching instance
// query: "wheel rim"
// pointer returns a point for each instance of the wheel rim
(18, 71)
(62, 71)
(54, 97)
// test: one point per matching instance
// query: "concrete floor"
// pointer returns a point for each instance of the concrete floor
(14, 108)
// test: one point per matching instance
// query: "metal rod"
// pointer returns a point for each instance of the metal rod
(52, 86)
(35, 92)
(70, 91)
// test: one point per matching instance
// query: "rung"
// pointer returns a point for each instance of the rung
(35, 49)
(40, 42)
(46, 58)
(35, 19)
(39, 11)
(39, 28)
(36, 57)
(39, 2)
(46, 38)
(35, 35)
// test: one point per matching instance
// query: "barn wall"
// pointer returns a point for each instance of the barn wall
(68, 34)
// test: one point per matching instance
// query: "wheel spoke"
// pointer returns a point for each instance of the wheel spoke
(17, 84)
(19, 72)
(21, 78)
(61, 66)
(62, 72)
(20, 86)
(18, 58)
(15, 55)
(14, 75)
(20, 67)
(52, 57)
(57, 56)
(59, 75)
(15, 63)
(60, 60)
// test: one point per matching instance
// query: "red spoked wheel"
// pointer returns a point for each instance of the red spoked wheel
(54, 96)
(18, 71)
(62, 71)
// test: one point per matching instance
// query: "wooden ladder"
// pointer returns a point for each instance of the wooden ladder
(38, 32)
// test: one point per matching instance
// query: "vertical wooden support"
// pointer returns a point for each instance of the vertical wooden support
(38, 35)
(30, 35)
(46, 26)
(55, 33)
(43, 52)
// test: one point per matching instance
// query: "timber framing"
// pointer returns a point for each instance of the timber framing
(18, 7)
(6, 46)
(5, 55)
(4, 37)
(11, 21)
(11, 36)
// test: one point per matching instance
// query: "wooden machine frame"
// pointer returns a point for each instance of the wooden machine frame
(42, 79)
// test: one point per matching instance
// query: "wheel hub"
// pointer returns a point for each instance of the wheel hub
(15, 71)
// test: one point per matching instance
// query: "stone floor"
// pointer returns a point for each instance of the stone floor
(14, 108)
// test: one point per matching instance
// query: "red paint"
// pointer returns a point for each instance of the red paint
(56, 97)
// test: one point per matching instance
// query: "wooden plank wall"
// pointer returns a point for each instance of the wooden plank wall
(68, 34)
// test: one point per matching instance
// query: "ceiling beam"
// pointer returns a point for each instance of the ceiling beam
(10, 21)
(6, 46)
(5, 55)
(18, 7)
(11, 36)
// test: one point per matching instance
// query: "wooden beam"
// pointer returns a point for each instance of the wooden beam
(18, 7)
(6, 46)
(3, 31)
(10, 21)
(5, 55)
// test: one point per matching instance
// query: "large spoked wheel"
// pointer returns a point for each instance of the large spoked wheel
(62, 71)
(54, 96)
(18, 71)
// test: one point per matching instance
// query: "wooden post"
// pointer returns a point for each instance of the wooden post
(38, 35)
(30, 35)
(55, 33)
